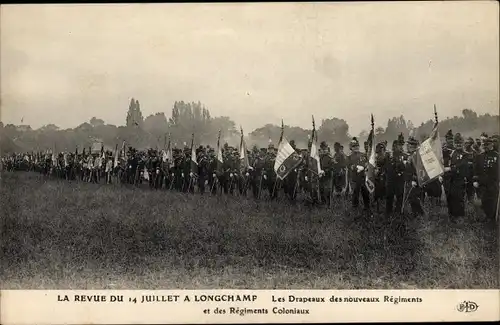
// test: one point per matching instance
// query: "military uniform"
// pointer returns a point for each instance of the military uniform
(447, 150)
(356, 163)
(395, 177)
(413, 190)
(486, 178)
(457, 168)
(470, 157)
(325, 178)
(339, 169)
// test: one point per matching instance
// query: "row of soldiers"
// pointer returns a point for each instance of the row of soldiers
(471, 169)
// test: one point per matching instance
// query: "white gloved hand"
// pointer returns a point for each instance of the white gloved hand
(360, 168)
(230, 174)
(214, 175)
(247, 174)
(206, 182)
(157, 171)
(173, 174)
(129, 167)
(182, 175)
(447, 169)
(305, 178)
(190, 174)
(413, 183)
(440, 179)
(475, 184)
(265, 176)
(250, 167)
(321, 172)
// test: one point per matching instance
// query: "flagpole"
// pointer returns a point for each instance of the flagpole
(315, 139)
(281, 138)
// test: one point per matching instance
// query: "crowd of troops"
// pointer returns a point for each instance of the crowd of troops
(470, 171)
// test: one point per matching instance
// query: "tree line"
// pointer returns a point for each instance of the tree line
(189, 118)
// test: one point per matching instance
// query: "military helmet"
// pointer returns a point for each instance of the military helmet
(449, 135)
(354, 143)
(336, 145)
(323, 145)
(401, 139)
(458, 138)
(469, 141)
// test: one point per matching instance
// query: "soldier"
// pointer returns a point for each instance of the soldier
(326, 175)
(356, 163)
(496, 141)
(203, 169)
(290, 182)
(470, 156)
(381, 160)
(477, 146)
(271, 180)
(395, 178)
(412, 188)
(339, 172)
(447, 150)
(457, 168)
(211, 171)
(486, 179)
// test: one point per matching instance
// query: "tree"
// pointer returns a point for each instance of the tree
(134, 114)
(96, 122)
(379, 132)
(49, 127)
(333, 130)
(189, 118)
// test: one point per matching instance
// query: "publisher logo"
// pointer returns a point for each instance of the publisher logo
(467, 307)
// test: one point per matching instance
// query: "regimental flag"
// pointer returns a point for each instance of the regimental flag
(117, 156)
(244, 163)
(54, 158)
(316, 162)
(220, 157)
(168, 155)
(124, 152)
(102, 159)
(194, 160)
(287, 159)
(428, 159)
(370, 167)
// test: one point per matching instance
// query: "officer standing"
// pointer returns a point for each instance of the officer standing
(357, 162)
(457, 168)
(395, 181)
(486, 179)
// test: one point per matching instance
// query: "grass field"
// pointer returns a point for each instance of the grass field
(60, 235)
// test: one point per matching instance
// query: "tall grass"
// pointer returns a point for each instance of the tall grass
(56, 234)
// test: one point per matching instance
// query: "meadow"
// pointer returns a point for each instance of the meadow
(61, 235)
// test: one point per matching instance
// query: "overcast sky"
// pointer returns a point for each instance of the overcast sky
(256, 63)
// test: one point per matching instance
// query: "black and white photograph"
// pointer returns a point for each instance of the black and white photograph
(288, 146)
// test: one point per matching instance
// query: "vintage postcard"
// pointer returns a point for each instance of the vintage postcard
(249, 162)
